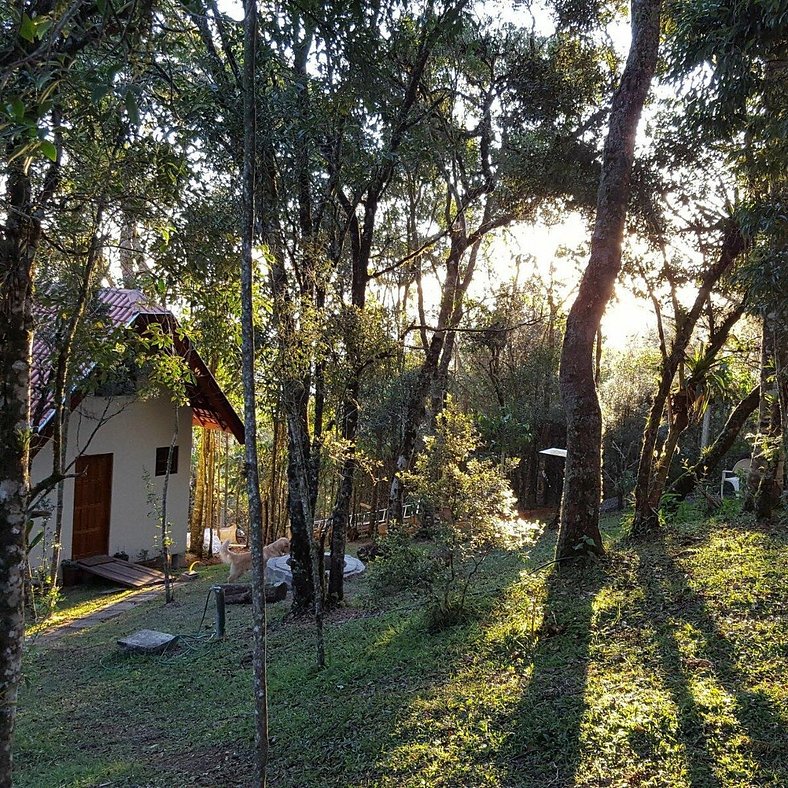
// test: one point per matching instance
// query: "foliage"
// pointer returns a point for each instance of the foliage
(471, 502)
(510, 374)
(468, 493)
(628, 380)
(166, 367)
(404, 565)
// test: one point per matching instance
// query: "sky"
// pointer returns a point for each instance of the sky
(542, 248)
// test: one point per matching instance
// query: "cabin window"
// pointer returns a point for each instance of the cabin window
(161, 460)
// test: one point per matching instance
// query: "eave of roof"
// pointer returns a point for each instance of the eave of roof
(131, 309)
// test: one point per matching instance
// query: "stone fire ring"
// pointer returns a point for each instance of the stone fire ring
(277, 569)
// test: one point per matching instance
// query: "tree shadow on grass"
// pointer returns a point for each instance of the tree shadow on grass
(746, 738)
(543, 746)
(383, 712)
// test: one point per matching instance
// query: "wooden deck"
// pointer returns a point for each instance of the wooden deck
(123, 573)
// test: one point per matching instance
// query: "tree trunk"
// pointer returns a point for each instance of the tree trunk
(17, 256)
(302, 497)
(339, 517)
(62, 396)
(679, 421)
(579, 530)
(197, 520)
(415, 407)
(209, 510)
(298, 465)
(165, 527)
(705, 427)
(273, 494)
(710, 459)
(295, 390)
(646, 501)
(259, 651)
(764, 483)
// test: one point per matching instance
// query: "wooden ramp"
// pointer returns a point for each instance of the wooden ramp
(123, 573)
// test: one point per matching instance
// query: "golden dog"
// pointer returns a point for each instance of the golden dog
(242, 562)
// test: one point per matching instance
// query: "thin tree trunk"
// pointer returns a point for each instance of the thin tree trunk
(57, 546)
(197, 520)
(15, 347)
(165, 528)
(210, 490)
(415, 407)
(295, 393)
(226, 479)
(22, 234)
(62, 396)
(301, 533)
(705, 427)
(339, 517)
(302, 499)
(273, 495)
(645, 518)
(259, 655)
(678, 422)
(579, 530)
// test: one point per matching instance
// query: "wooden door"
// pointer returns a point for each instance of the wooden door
(92, 494)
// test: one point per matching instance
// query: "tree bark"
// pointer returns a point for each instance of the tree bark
(579, 529)
(764, 484)
(19, 241)
(17, 255)
(680, 404)
(339, 517)
(439, 349)
(297, 466)
(361, 236)
(251, 467)
(197, 520)
(62, 396)
(415, 408)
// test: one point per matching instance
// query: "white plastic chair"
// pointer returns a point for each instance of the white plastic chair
(734, 476)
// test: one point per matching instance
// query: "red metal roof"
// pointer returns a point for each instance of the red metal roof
(129, 309)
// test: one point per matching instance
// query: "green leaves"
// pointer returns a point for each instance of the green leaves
(15, 110)
(132, 108)
(27, 29)
(20, 123)
(48, 149)
(32, 29)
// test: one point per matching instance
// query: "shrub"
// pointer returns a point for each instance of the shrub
(402, 566)
(473, 506)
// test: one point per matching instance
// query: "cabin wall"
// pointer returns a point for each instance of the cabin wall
(131, 431)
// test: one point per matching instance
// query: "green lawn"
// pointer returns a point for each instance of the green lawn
(663, 665)
(76, 602)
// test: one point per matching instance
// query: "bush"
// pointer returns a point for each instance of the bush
(473, 504)
(403, 565)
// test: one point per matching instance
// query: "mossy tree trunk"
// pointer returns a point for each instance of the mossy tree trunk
(764, 483)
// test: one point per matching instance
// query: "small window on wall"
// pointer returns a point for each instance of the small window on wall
(161, 460)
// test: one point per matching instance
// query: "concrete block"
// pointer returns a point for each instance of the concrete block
(148, 641)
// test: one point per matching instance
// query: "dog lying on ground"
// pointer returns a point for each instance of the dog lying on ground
(242, 562)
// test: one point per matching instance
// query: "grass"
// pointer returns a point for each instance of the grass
(662, 665)
(73, 603)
